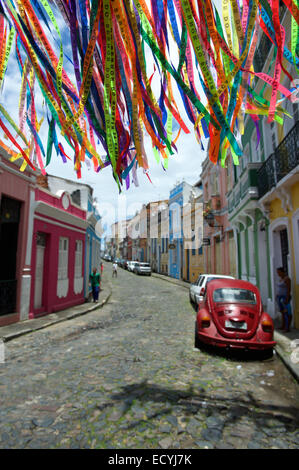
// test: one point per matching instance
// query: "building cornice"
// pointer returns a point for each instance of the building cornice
(55, 213)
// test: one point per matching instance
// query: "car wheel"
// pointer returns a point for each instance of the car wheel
(267, 354)
(197, 343)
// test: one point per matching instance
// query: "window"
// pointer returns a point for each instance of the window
(78, 258)
(273, 135)
(63, 258)
(174, 255)
(234, 295)
(228, 176)
(76, 197)
(296, 112)
(206, 192)
(255, 148)
(214, 177)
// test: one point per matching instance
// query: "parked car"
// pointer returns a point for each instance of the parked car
(107, 257)
(131, 265)
(142, 268)
(197, 290)
(231, 316)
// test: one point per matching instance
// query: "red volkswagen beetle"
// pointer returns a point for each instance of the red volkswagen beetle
(231, 316)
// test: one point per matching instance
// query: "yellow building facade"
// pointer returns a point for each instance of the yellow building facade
(284, 236)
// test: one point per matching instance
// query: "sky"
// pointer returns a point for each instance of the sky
(183, 165)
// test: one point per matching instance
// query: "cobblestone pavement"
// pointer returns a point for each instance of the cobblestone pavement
(128, 376)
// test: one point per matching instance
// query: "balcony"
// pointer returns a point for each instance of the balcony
(280, 163)
(245, 189)
(262, 53)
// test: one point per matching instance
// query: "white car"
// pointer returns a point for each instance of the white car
(142, 268)
(197, 290)
(131, 265)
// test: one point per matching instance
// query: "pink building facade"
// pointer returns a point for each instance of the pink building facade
(58, 246)
(17, 195)
(219, 237)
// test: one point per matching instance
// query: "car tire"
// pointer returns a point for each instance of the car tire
(197, 342)
(267, 354)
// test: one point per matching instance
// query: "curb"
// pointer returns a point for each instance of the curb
(284, 354)
(51, 319)
(177, 282)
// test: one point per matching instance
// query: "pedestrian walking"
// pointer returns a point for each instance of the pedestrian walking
(114, 269)
(283, 298)
(101, 269)
(95, 280)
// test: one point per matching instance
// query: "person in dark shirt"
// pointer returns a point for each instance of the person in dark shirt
(95, 280)
(284, 298)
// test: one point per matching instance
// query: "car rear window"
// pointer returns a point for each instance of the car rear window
(145, 265)
(234, 295)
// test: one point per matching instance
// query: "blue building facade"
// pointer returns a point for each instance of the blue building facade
(178, 196)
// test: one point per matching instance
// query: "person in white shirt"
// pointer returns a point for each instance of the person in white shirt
(114, 269)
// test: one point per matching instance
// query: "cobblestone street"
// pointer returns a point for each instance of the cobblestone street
(128, 376)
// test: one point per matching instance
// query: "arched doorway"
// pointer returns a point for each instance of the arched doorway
(280, 244)
(10, 210)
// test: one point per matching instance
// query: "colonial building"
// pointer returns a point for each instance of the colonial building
(58, 247)
(178, 197)
(264, 202)
(82, 196)
(219, 245)
(133, 232)
(156, 231)
(17, 194)
(193, 250)
(164, 230)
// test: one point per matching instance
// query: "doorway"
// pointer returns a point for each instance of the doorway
(39, 270)
(280, 256)
(9, 230)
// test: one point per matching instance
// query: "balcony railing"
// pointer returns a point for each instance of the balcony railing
(280, 163)
(262, 53)
(245, 187)
(8, 293)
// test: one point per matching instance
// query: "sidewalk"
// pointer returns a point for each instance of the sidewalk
(286, 347)
(172, 280)
(9, 332)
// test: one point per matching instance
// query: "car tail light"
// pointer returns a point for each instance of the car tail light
(202, 291)
(267, 326)
(205, 321)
